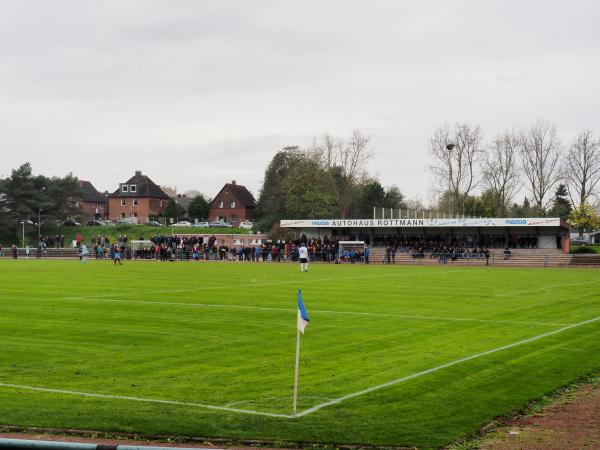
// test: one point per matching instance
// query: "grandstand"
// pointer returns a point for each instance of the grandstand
(531, 242)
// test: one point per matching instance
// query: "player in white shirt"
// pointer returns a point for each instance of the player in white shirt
(303, 253)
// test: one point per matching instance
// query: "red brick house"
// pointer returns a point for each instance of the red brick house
(233, 204)
(137, 200)
(93, 204)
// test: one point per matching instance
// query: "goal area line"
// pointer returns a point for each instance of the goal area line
(310, 410)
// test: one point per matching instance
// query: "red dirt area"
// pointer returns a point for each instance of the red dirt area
(571, 422)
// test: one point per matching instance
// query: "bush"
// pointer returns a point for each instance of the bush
(584, 250)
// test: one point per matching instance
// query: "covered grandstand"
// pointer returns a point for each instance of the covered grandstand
(515, 233)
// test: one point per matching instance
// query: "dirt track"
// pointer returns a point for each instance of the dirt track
(570, 422)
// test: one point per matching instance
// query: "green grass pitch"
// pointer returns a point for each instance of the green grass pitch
(210, 339)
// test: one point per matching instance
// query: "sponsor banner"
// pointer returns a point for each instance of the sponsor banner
(408, 223)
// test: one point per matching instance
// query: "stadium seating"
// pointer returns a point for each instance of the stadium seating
(518, 258)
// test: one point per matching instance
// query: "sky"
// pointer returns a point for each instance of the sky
(198, 93)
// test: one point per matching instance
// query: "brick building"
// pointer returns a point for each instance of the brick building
(93, 205)
(233, 204)
(137, 200)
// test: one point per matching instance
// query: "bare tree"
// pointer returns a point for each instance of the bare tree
(348, 161)
(540, 154)
(455, 155)
(582, 168)
(500, 170)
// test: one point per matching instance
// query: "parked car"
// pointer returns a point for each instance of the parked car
(220, 224)
(71, 223)
(107, 222)
(182, 223)
(94, 223)
(581, 240)
(201, 225)
(153, 223)
(247, 225)
(128, 221)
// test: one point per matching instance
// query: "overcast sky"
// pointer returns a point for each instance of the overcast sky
(197, 93)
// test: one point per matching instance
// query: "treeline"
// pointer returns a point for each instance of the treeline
(472, 177)
(554, 178)
(327, 179)
(27, 199)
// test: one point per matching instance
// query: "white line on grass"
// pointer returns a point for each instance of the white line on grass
(443, 366)
(314, 408)
(141, 399)
(543, 288)
(271, 283)
(321, 311)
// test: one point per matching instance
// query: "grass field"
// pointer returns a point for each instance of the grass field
(393, 355)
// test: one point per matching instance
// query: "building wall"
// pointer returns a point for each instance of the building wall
(145, 208)
(234, 215)
(91, 210)
(231, 215)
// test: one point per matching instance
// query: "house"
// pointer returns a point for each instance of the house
(183, 202)
(233, 204)
(93, 204)
(137, 200)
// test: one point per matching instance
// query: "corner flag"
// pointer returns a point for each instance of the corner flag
(302, 322)
(302, 314)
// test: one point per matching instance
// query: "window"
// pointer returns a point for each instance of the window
(134, 214)
(234, 218)
(122, 215)
(135, 202)
(124, 188)
(133, 188)
(221, 204)
(232, 204)
(122, 202)
(161, 203)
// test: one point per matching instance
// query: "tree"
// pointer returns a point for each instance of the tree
(19, 199)
(349, 162)
(582, 168)
(455, 154)
(25, 197)
(500, 171)
(309, 191)
(172, 210)
(171, 191)
(524, 210)
(271, 207)
(561, 206)
(394, 198)
(370, 194)
(584, 218)
(198, 208)
(540, 155)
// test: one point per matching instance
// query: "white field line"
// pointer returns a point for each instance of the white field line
(543, 288)
(318, 311)
(141, 399)
(271, 283)
(437, 368)
(314, 408)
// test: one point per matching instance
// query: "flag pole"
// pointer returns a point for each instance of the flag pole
(296, 370)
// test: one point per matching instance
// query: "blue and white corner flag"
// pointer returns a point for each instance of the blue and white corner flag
(302, 314)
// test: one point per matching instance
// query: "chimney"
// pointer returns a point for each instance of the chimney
(233, 182)
(138, 172)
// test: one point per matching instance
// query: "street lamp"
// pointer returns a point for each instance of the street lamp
(450, 147)
(23, 222)
(40, 218)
